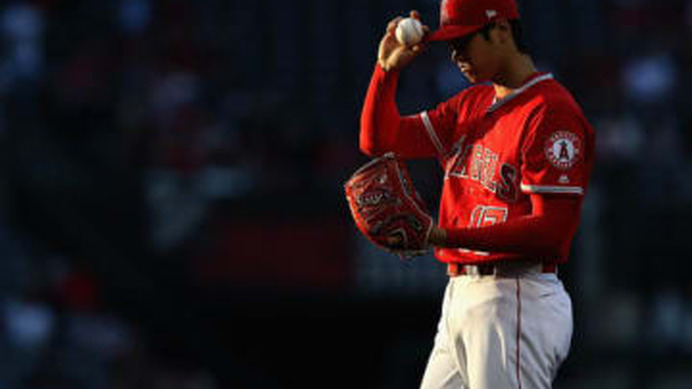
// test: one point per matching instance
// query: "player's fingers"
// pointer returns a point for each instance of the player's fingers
(419, 48)
(414, 14)
(391, 27)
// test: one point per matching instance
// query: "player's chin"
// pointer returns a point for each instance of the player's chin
(476, 78)
(469, 73)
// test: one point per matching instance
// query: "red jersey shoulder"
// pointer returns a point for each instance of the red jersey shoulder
(553, 96)
(558, 143)
(472, 99)
(479, 97)
(553, 108)
(464, 105)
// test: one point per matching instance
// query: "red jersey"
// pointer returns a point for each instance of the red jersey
(495, 154)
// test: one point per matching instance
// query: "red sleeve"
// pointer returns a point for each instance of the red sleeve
(545, 234)
(382, 129)
(555, 152)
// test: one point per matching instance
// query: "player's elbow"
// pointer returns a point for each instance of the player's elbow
(375, 136)
(370, 149)
(370, 144)
(550, 236)
(553, 243)
(548, 249)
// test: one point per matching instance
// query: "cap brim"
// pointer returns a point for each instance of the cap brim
(447, 33)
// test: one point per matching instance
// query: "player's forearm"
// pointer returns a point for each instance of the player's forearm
(379, 120)
(537, 236)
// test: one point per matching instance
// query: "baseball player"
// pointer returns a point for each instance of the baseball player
(517, 153)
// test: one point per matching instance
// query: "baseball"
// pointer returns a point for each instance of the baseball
(409, 31)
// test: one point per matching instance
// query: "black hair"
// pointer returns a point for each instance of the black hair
(517, 33)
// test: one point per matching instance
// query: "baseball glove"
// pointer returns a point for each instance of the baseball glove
(386, 207)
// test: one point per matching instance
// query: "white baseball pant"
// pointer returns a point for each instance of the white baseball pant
(511, 329)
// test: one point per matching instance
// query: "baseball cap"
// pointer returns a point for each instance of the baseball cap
(462, 17)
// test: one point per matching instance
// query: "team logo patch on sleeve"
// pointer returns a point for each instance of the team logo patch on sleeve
(563, 149)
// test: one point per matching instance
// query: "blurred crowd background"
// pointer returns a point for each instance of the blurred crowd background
(171, 210)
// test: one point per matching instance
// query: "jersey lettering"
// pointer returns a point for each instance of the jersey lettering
(478, 163)
(508, 188)
(488, 172)
(460, 152)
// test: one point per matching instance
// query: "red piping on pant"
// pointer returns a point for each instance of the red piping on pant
(518, 333)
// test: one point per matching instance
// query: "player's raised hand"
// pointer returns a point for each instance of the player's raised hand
(393, 54)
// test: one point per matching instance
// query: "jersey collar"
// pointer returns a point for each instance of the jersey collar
(531, 82)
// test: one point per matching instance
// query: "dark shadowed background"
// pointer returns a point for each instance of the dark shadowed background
(171, 211)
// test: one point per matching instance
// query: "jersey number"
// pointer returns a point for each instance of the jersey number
(483, 216)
